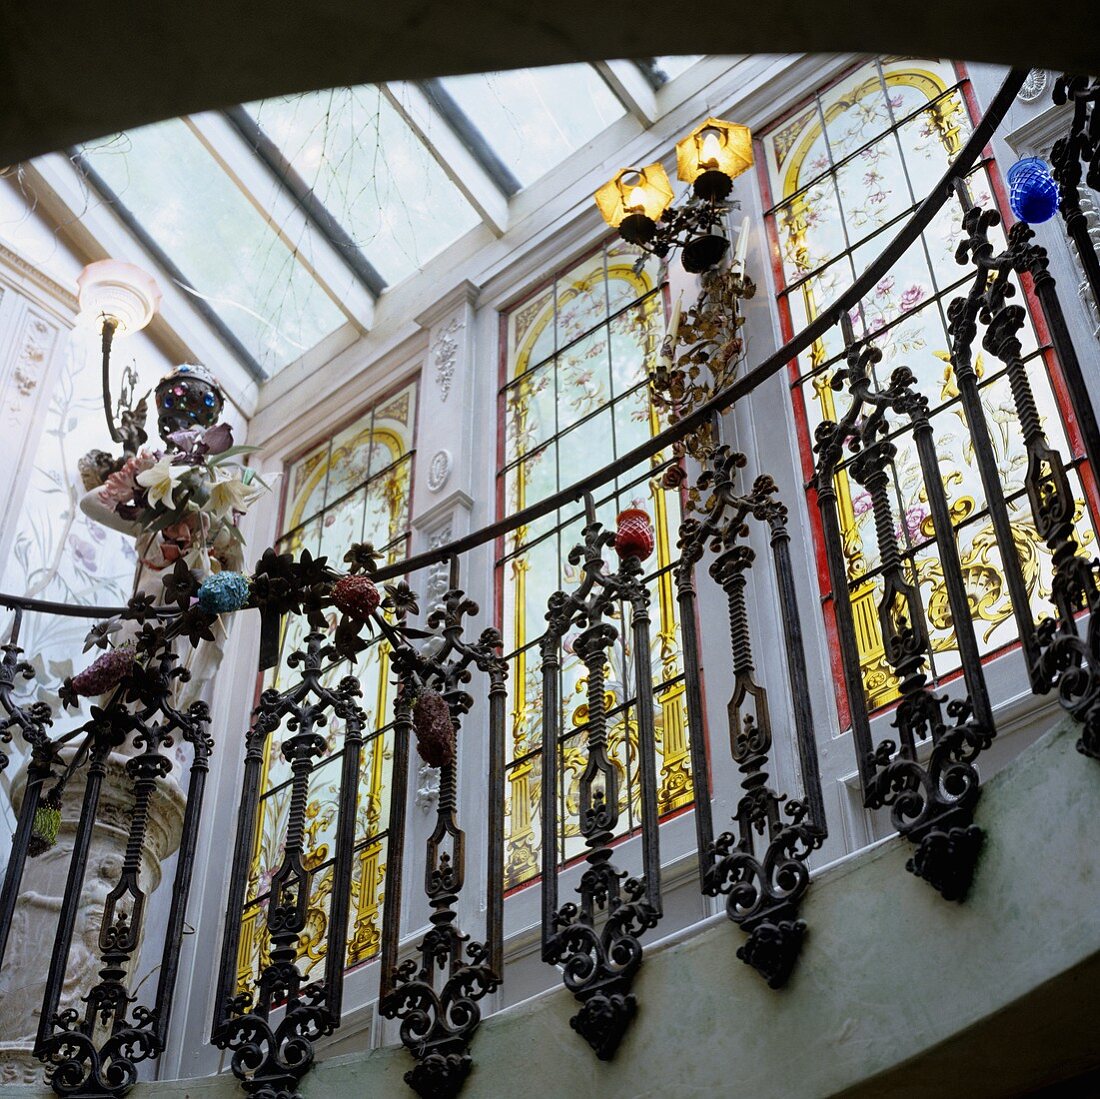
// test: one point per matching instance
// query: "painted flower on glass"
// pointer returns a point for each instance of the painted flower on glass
(83, 552)
(911, 297)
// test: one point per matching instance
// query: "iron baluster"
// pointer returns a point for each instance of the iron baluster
(437, 1024)
(763, 893)
(32, 722)
(931, 804)
(598, 963)
(1068, 661)
(1079, 147)
(271, 1059)
(990, 282)
(96, 1053)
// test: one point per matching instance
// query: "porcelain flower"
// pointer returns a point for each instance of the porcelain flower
(160, 480)
(119, 486)
(229, 495)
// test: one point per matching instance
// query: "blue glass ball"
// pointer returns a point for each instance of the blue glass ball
(168, 402)
(1032, 192)
(208, 400)
(223, 591)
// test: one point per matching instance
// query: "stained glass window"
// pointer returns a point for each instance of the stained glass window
(841, 173)
(353, 487)
(575, 397)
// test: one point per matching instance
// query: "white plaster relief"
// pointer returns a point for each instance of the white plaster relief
(38, 339)
(445, 356)
(1033, 86)
(439, 469)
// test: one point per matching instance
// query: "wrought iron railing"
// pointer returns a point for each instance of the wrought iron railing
(928, 777)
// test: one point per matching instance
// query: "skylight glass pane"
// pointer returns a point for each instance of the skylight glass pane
(671, 67)
(230, 254)
(534, 118)
(371, 172)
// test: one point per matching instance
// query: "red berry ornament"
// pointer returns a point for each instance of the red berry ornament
(634, 537)
(105, 672)
(435, 732)
(356, 596)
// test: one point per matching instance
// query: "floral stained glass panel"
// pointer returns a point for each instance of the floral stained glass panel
(890, 128)
(575, 398)
(351, 487)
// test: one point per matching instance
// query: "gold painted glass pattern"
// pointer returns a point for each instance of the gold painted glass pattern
(353, 487)
(576, 397)
(844, 173)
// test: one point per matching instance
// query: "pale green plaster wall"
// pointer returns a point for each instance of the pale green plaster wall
(889, 972)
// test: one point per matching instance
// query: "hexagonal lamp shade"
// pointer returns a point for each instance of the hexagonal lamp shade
(634, 201)
(712, 156)
(120, 292)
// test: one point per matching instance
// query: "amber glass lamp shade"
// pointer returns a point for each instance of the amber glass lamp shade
(712, 156)
(634, 201)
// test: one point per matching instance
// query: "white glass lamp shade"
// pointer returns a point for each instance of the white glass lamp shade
(110, 289)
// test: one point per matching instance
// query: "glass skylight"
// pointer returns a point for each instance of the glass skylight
(227, 250)
(371, 172)
(534, 118)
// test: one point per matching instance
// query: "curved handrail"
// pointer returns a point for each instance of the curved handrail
(826, 319)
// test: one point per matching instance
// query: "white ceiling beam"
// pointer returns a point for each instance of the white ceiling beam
(629, 83)
(278, 208)
(461, 166)
(96, 232)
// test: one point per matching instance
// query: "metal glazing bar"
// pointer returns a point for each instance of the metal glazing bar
(471, 137)
(164, 261)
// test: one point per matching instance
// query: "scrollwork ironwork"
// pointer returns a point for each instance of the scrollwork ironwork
(763, 890)
(931, 803)
(96, 1052)
(438, 1023)
(599, 963)
(271, 1058)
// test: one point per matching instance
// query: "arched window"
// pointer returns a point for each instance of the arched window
(574, 396)
(351, 488)
(844, 171)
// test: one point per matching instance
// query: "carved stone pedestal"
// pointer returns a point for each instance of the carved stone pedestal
(34, 925)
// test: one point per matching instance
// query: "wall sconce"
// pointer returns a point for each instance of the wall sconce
(638, 201)
(635, 200)
(122, 299)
